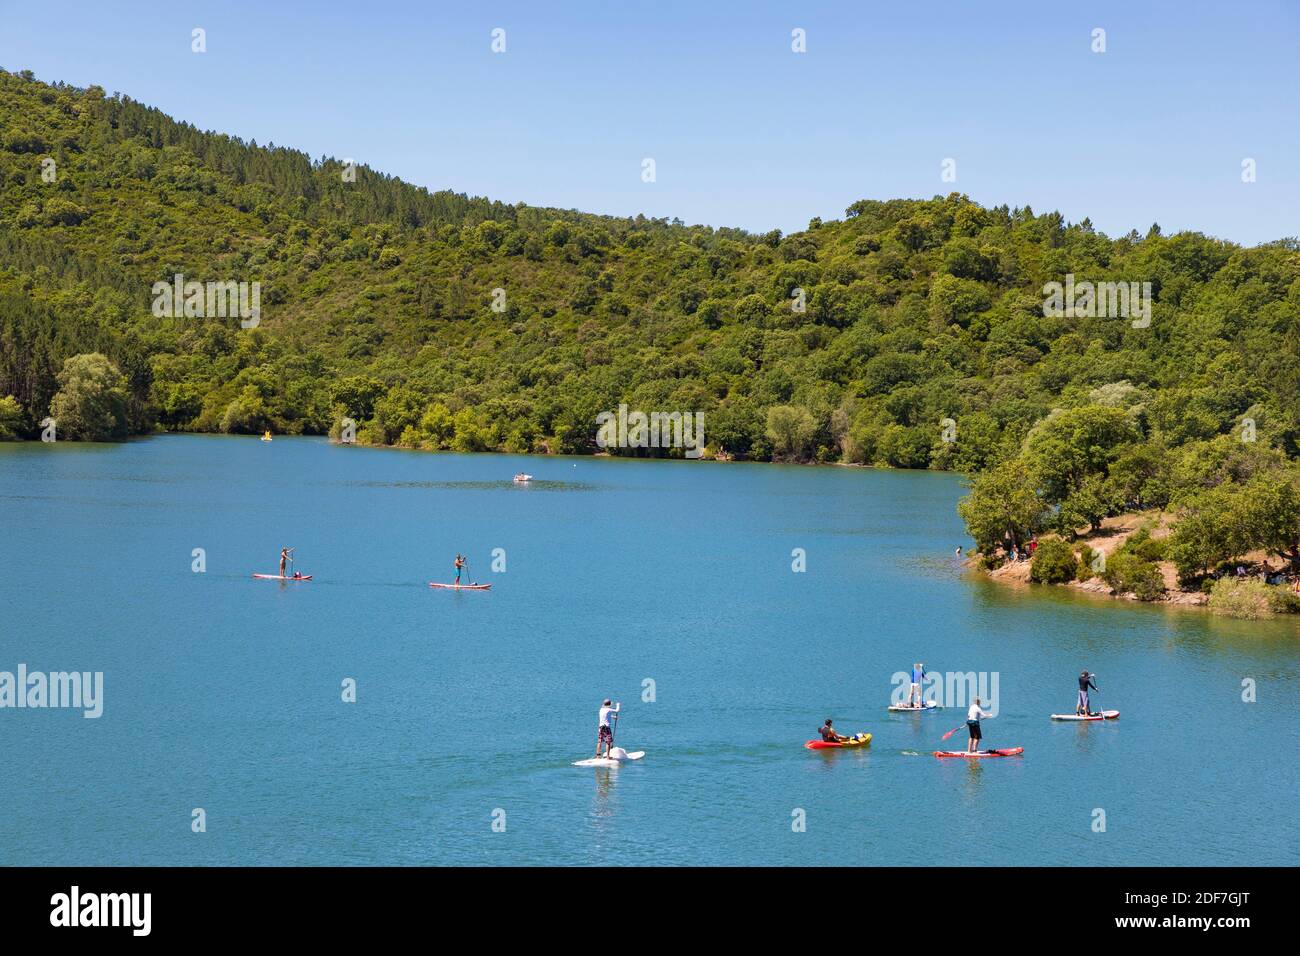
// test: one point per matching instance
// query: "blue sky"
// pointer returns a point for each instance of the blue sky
(743, 131)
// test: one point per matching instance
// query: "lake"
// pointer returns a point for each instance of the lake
(667, 585)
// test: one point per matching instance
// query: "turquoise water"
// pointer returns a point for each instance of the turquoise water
(224, 693)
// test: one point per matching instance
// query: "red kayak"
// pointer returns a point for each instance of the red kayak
(461, 587)
(283, 577)
(861, 740)
(1007, 752)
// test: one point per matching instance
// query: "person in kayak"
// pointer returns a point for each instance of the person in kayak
(1085, 682)
(829, 735)
(460, 566)
(918, 675)
(605, 733)
(973, 725)
(284, 558)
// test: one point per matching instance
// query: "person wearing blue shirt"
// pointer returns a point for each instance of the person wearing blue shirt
(918, 675)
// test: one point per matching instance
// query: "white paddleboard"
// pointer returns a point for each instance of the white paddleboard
(619, 756)
(910, 710)
(1103, 715)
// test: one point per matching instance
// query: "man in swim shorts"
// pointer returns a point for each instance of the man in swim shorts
(973, 725)
(1085, 682)
(605, 735)
(914, 692)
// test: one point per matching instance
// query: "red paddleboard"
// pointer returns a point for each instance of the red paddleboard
(283, 577)
(461, 587)
(1006, 752)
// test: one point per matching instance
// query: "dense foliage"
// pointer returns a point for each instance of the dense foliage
(910, 334)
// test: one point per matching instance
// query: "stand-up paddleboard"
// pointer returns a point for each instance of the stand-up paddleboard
(903, 708)
(859, 740)
(461, 587)
(617, 756)
(1095, 715)
(283, 577)
(1005, 752)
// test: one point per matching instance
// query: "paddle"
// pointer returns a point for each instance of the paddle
(953, 731)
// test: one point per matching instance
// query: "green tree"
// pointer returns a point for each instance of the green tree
(790, 428)
(91, 403)
(11, 418)
(1002, 506)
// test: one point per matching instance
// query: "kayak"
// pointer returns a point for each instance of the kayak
(283, 577)
(905, 709)
(622, 756)
(1098, 715)
(461, 587)
(861, 740)
(1005, 752)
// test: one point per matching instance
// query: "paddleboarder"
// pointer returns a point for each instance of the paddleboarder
(460, 566)
(829, 735)
(973, 725)
(605, 734)
(918, 675)
(1085, 682)
(285, 558)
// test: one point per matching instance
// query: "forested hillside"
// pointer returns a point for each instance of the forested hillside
(910, 334)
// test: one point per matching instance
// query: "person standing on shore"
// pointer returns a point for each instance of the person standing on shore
(1085, 681)
(973, 725)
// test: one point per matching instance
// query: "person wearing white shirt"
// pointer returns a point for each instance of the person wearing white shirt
(605, 736)
(973, 725)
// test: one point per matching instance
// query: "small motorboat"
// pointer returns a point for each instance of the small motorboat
(522, 478)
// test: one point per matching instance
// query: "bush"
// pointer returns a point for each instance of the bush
(1086, 557)
(1144, 547)
(1240, 598)
(1053, 563)
(1283, 601)
(1127, 573)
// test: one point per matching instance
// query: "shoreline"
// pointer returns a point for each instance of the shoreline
(1105, 541)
